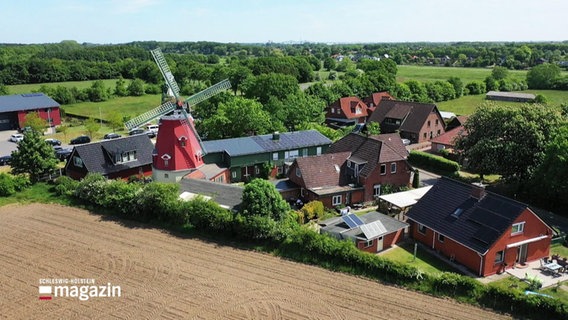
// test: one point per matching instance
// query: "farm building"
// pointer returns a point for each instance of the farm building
(372, 232)
(485, 232)
(226, 195)
(510, 96)
(248, 157)
(117, 158)
(14, 108)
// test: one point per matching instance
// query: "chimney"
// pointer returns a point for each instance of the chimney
(276, 135)
(478, 190)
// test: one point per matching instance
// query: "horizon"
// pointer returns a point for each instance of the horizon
(293, 21)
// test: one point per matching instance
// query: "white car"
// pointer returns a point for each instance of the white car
(16, 137)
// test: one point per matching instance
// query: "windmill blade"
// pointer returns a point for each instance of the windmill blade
(165, 70)
(163, 109)
(191, 124)
(208, 93)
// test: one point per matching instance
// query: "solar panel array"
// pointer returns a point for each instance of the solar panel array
(352, 220)
(373, 229)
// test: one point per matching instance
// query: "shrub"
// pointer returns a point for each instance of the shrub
(65, 185)
(21, 182)
(312, 209)
(7, 187)
(431, 162)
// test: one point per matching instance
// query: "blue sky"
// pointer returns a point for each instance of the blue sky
(121, 21)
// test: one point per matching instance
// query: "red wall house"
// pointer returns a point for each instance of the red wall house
(347, 111)
(353, 171)
(365, 236)
(488, 235)
(14, 108)
(115, 159)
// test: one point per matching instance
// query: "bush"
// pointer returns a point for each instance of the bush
(21, 182)
(7, 186)
(433, 163)
(65, 185)
(312, 209)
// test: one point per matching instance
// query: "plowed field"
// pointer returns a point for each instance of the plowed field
(167, 277)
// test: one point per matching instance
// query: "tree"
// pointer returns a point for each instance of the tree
(115, 120)
(120, 88)
(458, 86)
(418, 91)
(92, 126)
(508, 140)
(63, 129)
(416, 179)
(329, 63)
(33, 157)
(296, 109)
(272, 85)
(373, 128)
(236, 118)
(34, 121)
(98, 92)
(136, 88)
(543, 76)
(260, 198)
(499, 73)
(4, 89)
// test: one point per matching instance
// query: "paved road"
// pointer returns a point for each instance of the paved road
(427, 178)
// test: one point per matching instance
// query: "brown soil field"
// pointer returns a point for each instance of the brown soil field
(164, 276)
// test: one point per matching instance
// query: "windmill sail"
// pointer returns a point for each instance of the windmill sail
(164, 109)
(166, 72)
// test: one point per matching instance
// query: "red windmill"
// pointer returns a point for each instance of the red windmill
(178, 149)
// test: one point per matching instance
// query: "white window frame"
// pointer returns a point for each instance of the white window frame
(393, 167)
(292, 154)
(77, 161)
(383, 169)
(376, 190)
(275, 156)
(368, 243)
(298, 172)
(234, 174)
(499, 256)
(318, 151)
(518, 228)
(336, 200)
(305, 152)
(421, 228)
(256, 170)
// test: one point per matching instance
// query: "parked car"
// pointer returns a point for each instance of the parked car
(53, 142)
(63, 153)
(135, 131)
(406, 142)
(4, 160)
(152, 127)
(80, 140)
(16, 137)
(151, 134)
(112, 135)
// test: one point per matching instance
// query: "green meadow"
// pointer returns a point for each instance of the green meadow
(429, 74)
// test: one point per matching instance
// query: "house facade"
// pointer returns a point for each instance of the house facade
(353, 171)
(417, 122)
(250, 157)
(346, 111)
(374, 99)
(372, 232)
(483, 231)
(115, 159)
(14, 108)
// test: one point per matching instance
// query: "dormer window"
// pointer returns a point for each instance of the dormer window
(126, 156)
(182, 141)
(358, 110)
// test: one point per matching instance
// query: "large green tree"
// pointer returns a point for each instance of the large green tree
(260, 198)
(296, 109)
(34, 121)
(543, 76)
(508, 140)
(271, 85)
(236, 118)
(33, 156)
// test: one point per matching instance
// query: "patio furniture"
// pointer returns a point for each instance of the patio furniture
(553, 268)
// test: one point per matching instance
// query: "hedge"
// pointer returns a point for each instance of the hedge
(432, 162)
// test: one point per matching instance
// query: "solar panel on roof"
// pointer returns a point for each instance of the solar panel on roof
(373, 229)
(487, 218)
(357, 220)
(348, 221)
(485, 235)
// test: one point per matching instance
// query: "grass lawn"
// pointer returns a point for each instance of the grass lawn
(559, 249)
(467, 105)
(27, 88)
(513, 283)
(125, 106)
(430, 74)
(39, 192)
(425, 261)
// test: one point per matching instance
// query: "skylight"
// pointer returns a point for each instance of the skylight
(457, 213)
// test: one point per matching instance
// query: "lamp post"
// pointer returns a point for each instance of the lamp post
(100, 116)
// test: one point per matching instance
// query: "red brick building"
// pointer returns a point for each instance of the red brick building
(417, 122)
(353, 171)
(483, 231)
(375, 231)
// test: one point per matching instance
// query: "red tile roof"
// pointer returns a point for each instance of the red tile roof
(374, 99)
(323, 170)
(449, 137)
(348, 107)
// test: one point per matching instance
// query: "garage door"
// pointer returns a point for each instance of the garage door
(8, 121)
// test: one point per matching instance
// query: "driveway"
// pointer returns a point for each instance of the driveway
(7, 146)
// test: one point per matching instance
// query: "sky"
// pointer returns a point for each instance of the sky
(260, 21)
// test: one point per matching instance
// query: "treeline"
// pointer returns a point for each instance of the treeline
(266, 219)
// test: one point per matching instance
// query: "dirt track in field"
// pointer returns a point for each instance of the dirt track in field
(166, 277)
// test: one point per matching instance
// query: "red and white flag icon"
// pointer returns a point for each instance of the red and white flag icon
(44, 292)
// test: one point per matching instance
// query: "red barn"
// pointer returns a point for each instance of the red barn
(483, 231)
(14, 108)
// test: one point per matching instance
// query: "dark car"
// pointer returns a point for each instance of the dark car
(53, 142)
(4, 160)
(63, 154)
(113, 135)
(80, 140)
(135, 131)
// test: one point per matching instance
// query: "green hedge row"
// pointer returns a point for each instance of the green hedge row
(432, 162)
(159, 202)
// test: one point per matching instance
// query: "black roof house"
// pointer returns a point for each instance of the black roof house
(466, 213)
(106, 157)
